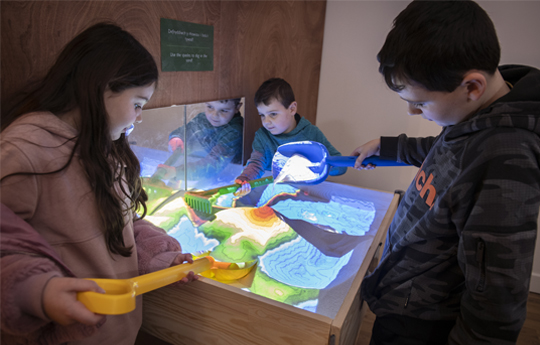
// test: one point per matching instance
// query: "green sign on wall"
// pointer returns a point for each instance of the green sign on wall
(186, 46)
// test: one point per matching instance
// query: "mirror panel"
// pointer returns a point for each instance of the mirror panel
(192, 146)
(150, 138)
(214, 143)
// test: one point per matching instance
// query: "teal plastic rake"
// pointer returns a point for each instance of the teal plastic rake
(203, 201)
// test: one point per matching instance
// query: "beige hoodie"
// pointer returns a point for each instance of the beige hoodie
(62, 208)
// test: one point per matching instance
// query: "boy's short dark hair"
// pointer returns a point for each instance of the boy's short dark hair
(434, 43)
(275, 88)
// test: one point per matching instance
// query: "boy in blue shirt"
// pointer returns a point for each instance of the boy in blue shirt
(458, 255)
(276, 104)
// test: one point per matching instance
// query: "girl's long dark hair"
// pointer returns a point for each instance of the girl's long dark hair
(102, 57)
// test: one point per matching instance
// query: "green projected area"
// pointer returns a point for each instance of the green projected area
(294, 235)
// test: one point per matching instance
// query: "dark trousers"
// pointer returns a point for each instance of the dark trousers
(404, 330)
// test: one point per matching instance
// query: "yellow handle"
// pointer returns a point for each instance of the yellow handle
(119, 296)
(155, 280)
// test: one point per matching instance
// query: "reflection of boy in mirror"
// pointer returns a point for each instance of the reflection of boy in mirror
(216, 134)
(276, 104)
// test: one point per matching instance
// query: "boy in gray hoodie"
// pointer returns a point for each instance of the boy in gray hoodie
(458, 256)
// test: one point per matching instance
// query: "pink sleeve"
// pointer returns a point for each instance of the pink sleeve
(27, 264)
(23, 280)
(22, 318)
(155, 249)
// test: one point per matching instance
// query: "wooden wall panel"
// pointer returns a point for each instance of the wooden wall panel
(253, 41)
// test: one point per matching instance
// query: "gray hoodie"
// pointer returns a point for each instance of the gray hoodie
(461, 243)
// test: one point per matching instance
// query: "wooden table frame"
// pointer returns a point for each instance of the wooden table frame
(207, 312)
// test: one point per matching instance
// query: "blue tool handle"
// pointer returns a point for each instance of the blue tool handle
(341, 161)
(348, 161)
(378, 161)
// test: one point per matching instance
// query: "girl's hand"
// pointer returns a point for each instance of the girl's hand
(61, 305)
(180, 259)
(371, 148)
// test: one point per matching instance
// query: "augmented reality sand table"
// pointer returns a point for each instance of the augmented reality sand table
(294, 234)
(313, 243)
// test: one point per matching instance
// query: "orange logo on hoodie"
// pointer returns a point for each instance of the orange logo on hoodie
(424, 186)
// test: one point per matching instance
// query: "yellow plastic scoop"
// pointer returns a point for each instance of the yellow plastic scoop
(119, 296)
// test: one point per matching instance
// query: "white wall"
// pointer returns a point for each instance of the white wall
(355, 104)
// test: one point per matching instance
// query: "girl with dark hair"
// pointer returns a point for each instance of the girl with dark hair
(70, 187)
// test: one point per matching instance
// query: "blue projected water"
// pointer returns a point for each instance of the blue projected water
(304, 243)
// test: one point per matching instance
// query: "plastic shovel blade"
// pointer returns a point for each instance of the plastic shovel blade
(293, 161)
(301, 162)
